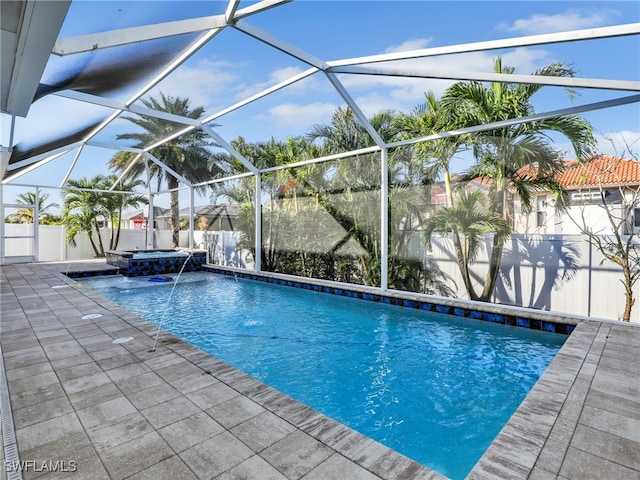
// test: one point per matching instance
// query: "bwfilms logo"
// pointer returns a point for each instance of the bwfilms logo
(35, 466)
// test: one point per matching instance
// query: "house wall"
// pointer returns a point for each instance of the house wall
(568, 222)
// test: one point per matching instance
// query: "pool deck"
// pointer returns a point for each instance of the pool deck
(120, 411)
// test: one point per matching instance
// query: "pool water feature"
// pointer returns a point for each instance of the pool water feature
(434, 387)
(135, 263)
(173, 288)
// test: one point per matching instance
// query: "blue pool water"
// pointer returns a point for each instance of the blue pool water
(434, 387)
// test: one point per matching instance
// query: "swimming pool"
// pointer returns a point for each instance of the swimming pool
(433, 387)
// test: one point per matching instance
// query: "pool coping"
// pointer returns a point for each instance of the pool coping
(543, 439)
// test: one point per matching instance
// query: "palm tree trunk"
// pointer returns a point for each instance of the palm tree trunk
(498, 244)
(463, 262)
(175, 210)
(494, 267)
(117, 241)
(100, 253)
(93, 243)
(112, 234)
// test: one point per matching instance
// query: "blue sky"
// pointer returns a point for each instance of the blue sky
(233, 66)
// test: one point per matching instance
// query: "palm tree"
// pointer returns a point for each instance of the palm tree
(187, 154)
(433, 157)
(114, 204)
(472, 218)
(357, 208)
(82, 208)
(502, 153)
(26, 214)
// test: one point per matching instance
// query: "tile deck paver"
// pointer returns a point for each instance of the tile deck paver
(121, 411)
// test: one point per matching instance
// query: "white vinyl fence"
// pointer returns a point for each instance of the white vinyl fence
(562, 273)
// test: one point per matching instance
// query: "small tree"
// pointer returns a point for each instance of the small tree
(82, 208)
(603, 178)
(470, 218)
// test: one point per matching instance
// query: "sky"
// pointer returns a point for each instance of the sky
(234, 66)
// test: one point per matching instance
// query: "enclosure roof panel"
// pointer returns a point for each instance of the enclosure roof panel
(250, 63)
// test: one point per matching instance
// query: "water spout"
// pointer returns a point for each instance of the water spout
(175, 282)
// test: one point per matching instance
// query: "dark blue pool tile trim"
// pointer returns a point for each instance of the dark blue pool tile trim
(92, 273)
(132, 267)
(512, 320)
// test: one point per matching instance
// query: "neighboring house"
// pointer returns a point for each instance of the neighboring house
(138, 219)
(222, 217)
(619, 178)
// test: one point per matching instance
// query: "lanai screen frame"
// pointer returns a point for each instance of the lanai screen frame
(208, 27)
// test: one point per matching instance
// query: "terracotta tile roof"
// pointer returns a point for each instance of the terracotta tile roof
(603, 169)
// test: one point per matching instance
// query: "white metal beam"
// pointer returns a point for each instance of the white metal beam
(232, 7)
(336, 156)
(114, 146)
(384, 219)
(258, 225)
(168, 169)
(179, 60)
(191, 215)
(281, 45)
(263, 93)
(229, 148)
(258, 7)
(36, 226)
(72, 166)
(150, 230)
(356, 109)
(527, 41)
(123, 107)
(126, 36)
(572, 82)
(43, 156)
(126, 171)
(225, 179)
(530, 118)
(32, 167)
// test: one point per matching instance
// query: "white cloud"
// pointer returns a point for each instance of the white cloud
(376, 92)
(570, 20)
(413, 44)
(206, 84)
(624, 143)
(299, 116)
(301, 87)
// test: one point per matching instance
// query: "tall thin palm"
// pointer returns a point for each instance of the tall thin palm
(187, 154)
(501, 153)
(434, 157)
